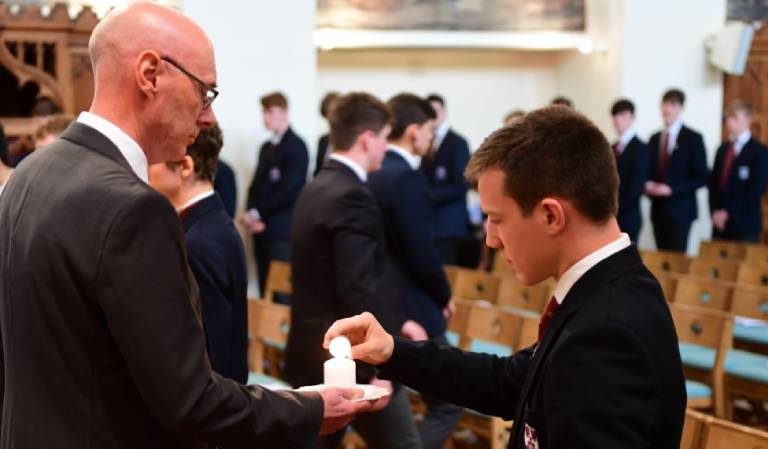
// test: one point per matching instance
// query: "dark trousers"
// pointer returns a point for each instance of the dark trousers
(440, 418)
(731, 235)
(264, 251)
(390, 428)
(669, 234)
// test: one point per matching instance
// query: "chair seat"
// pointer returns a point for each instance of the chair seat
(697, 390)
(452, 337)
(756, 334)
(269, 382)
(747, 365)
(697, 356)
(488, 347)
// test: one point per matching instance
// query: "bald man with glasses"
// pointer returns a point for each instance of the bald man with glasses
(102, 340)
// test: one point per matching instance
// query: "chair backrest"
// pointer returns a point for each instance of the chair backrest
(756, 253)
(458, 322)
(500, 264)
(753, 273)
(278, 279)
(476, 285)
(267, 321)
(668, 283)
(693, 429)
(719, 249)
(451, 273)
(511, 328)
(719, 269)
(514, 294)
(706, 293)
(721, 434)
(666, 261)
(750, 302)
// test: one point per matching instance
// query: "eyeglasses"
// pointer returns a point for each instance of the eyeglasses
(209, 92)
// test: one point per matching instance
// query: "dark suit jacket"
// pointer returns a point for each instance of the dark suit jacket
(225, 185)
(633, 166)
(607, 374)
(686, 172)
(322, 149)
(217, 259)
(744, 189)
(445, 172)
(403, 196)
(340, 267)
(281, 174)
(101, 344)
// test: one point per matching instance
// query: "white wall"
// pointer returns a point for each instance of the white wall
(260, 46)
(480, 87)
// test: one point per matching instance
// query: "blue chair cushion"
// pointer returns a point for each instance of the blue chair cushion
(488, 347)
(266, 381)
(275, 344)
(452, 337)
(697, 356)
(696, 390)
(757, 334)
(747, 365)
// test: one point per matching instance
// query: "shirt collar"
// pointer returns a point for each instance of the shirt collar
(128, 147)
(626, 137)
(674, 128)
(193, 200)
(440, 133)
(410, 158)
(352, 166)
(577, 270)
(742, 140)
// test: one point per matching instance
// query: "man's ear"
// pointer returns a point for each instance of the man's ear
(149, 67)
(552, 214)
(187, 167)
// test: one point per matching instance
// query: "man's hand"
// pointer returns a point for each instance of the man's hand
(719, 219)
(339, 409)
(370, 342)
(657, 189)
(251, 224)
(449, 310)
(413, 331)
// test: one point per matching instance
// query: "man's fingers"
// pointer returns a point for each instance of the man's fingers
(351, 393)
(343, 326)
(363, 350)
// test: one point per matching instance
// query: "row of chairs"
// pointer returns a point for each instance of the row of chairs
(731, 270)
(734, 250)
(707, 432)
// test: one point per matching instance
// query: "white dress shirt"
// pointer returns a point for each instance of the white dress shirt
(624, 140)
(672, 132)
(577, 270)
(130, 150)
(440, 133)
(412, 160)
(740, 141)
(352, 166)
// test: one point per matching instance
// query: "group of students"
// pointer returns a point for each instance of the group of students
(672, 166)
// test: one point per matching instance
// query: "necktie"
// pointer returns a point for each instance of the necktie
(549, 312)
(661, 173)
(616, 152)
(725, 173)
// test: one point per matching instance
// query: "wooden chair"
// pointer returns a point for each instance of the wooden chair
(476, 286)
(668, 283)
(278, 280)
(705, 293)
(721, 434)
(705, 338)
(718, 269)
(753, 273)
(500, 264)
(666, 261)
(693, 428)
(720, 249)
(512, 329)
(451, 273)
(514, 294)
(268, 325)
(746, 371)
(756, 253)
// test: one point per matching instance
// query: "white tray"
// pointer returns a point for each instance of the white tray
(370, 392)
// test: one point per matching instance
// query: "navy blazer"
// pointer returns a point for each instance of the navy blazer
(633, 166)
(407, 211)
(322, 149)
(340, 268)
(217, 259)
(279, 177)
(445, 173)
(225, 185)
(744, 189)
(686, 172)
(607, 373)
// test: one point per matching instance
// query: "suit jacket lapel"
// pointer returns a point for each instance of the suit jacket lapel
(85, 136)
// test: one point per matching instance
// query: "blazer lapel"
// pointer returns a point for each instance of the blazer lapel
(85, 136)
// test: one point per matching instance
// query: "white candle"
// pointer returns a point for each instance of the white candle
(340, 370)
